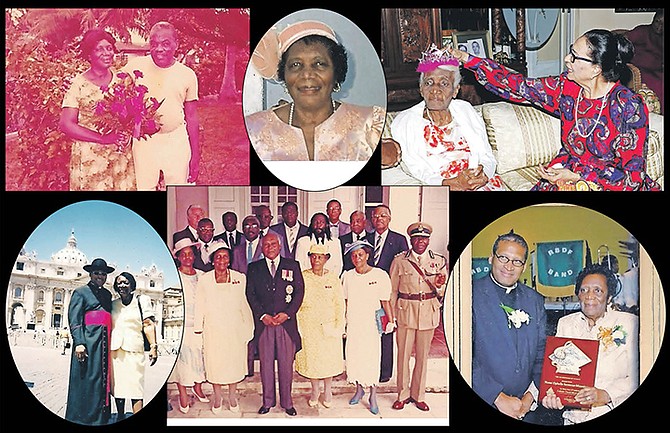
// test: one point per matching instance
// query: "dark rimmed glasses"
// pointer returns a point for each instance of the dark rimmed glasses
(504, 260)
(574, 57)
(99, 273)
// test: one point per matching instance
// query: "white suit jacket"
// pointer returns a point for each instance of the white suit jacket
(127, 325)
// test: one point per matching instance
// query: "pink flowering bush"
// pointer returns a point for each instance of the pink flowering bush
(126, 107)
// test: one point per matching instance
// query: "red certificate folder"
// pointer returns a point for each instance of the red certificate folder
(569, 365)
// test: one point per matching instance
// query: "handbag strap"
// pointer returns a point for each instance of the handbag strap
(139, 305)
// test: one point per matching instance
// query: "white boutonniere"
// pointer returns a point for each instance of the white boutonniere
(515, 317)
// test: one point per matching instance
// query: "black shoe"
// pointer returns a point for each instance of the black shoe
(291, 411)
(249, 375)
(384, 379)
(263, 410)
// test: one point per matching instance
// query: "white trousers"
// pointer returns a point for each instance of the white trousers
(169, 152)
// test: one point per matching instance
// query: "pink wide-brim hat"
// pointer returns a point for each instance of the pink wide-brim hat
(274, 43)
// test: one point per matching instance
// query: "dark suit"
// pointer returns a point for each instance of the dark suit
(199, 263)
(344, 241)
(342, 228)
(224, 237)
(268, 295)
(506, 359)
(394, 244)
(181, 234)
(240, 255)
(286, 249)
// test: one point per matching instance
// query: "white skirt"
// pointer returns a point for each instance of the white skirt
(128, 374)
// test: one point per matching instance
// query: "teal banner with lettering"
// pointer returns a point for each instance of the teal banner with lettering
(557, 266)
(480, 267)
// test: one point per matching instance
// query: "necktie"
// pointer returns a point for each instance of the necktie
(273, 268)
(231, 240)
(378, 248)
(250, 252)
(291, 239)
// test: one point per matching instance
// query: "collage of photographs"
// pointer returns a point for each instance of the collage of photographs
(290, 217)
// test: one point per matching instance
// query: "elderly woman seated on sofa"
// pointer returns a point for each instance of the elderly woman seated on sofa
(443, 140)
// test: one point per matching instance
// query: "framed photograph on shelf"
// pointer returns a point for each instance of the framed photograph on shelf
(448, 38)
(477, 43)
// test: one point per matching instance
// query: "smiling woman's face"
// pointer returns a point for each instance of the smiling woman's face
(309, 74)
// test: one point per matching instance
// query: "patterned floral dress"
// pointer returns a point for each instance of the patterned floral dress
(449, 154)
(94, 166)
(604, 139)
(321, 325)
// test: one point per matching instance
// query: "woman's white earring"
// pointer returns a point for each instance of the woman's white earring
(285, 88)
(337, 87)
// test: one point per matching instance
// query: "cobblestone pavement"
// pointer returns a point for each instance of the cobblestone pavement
(45, 371)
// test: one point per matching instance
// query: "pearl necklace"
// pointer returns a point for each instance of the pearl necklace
(600, 113)
(290, 113)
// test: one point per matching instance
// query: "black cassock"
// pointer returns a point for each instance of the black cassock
(90, 320)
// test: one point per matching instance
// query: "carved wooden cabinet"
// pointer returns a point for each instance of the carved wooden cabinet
(406, 33)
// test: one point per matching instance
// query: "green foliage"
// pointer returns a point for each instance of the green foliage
(41, 60)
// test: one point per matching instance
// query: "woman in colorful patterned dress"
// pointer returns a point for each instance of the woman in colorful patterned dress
(604, 124)
(321, 325)
(98, 162)
(443, 140)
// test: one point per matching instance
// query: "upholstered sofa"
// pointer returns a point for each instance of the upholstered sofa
(522, 138)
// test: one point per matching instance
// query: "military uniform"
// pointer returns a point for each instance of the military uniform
(416, 307)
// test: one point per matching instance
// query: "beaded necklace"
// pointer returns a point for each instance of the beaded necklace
(600, 113)
(290, 113)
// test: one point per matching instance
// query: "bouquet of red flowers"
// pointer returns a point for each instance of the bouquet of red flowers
(126, 107)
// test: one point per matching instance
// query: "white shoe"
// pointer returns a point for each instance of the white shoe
(183, 410)
(202, 399)
(235, 409)
(216, 410)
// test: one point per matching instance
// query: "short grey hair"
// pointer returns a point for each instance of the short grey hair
(455, 69)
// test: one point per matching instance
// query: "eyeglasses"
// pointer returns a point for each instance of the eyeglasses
(573, 57)
(249, 226)
(99, 273)
(206, 229)
(504, 260)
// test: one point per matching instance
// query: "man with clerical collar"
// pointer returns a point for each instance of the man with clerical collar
(90, 322)
(508, 354)
(418, 282)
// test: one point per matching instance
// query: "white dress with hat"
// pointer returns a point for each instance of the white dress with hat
(190, 366)
(363, 294)
(223, 315)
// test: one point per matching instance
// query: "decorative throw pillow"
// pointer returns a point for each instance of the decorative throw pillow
(520, 135)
